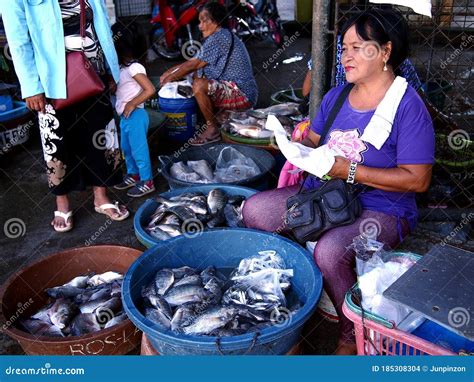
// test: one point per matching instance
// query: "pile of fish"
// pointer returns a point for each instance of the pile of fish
(86, 304)
(251, 123)
(187, 301)
(192, 212)
(231, 166)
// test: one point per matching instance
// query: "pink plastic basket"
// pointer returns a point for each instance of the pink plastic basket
(373, 338)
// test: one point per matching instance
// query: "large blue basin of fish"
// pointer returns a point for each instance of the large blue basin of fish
(144, 212)
(223, 249)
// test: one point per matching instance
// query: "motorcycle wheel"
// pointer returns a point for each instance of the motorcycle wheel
(276, 32)
(158, 44)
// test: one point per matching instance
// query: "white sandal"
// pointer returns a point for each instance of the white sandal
(102, 209)
(65, 216)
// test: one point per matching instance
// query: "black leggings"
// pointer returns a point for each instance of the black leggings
(80, 146)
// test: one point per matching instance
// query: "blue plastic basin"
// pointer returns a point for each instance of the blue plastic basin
(19, 108)
(143, 214)
(224, 249)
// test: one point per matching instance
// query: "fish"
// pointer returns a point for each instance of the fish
(105, 277)
(160, 303)
(61, 312)
(179, 168)
(158, 317)
(189, 280)
(182, 212)
(216, 220)
(235, 200)
(63, 291)
(94, 305)
(196, 207)
(210, 273)
(285, 109)
(179, 273)
(214, 287)
(79, 281)
(183, 316)
(41, 328)
(163, 280)
(252, 132)
(170, 219)
(116, 320)
(216, 200)
(157, 216)
(171, 229)
(184, 294)
(202, 168)
(43, 314)
(158, 233)
(84, 323)
(232, 216)
(212, 319)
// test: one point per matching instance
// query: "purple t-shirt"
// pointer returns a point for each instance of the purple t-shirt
(410, 142)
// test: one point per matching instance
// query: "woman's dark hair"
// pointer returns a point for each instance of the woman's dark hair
(130, 44)
(217, 12)
(382, 26)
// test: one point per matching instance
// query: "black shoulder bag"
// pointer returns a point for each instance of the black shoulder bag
(334, 204)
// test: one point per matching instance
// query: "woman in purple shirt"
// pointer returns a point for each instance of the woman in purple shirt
(395, 172)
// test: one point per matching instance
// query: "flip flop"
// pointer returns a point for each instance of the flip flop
(206, 141)
(65, 216)
(102, 209)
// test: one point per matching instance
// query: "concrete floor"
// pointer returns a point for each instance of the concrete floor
(24, 194)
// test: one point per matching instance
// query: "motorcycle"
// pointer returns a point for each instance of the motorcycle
(256, 18)
(175, 30)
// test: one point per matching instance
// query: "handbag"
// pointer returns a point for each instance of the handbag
(334, 204)
(82, 81)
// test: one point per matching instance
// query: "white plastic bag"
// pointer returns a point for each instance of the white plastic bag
(233, 166)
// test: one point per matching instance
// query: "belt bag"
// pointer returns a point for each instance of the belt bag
(312, 213)
(82, 81)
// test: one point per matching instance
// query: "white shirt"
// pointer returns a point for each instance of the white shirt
(128, 88)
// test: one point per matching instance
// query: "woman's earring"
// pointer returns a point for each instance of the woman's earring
(385, 66)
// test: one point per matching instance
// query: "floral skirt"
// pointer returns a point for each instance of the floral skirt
(80, 146)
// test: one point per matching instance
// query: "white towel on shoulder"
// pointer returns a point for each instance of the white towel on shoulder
(380, 125)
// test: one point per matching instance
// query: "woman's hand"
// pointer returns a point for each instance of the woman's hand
(36, 102)
(340, 168)
(129, 108)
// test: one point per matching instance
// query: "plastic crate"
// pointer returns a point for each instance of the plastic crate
(377, 336)
(125, 8)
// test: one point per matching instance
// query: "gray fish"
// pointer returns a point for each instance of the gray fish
(210, 320)
(63, 291)
(105, 277)
(179, 273)
(171, 229)
(158, 317)
(184, 294)
(182, 212)
(43, 314)
(158, 233)
(184, 316)
(196, 207)
(214, 287)
(235, 200)
(216, 200)
(41, 328)
(84, 323)
(160, 303)
(116, 320)
(116, 288)
(210, 273)
(216, 220)
(61, 312)
(170, 219)
(232, 216)
(163, 280)
(91, 306)
(79, 281)
(202, 168)
(178, 169)
(189, 280)
(112, 305)
(157, 216)
(187, 196)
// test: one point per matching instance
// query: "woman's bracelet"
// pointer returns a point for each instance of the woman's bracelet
(352, 172)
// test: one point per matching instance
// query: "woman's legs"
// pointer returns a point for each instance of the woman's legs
(200, 90)
(337, 263)
(266, 210)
